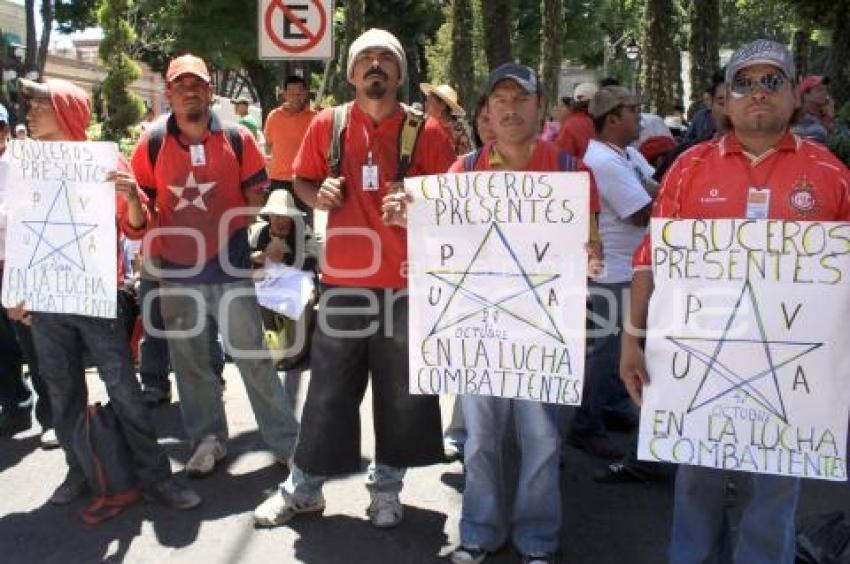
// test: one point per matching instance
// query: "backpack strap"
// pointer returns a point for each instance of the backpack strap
(470, 159)
(156, 137)
(566, 162)
(408, 138)
(338, 125)
(235, 139)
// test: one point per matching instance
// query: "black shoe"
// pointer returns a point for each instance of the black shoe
(14, 422)
(73, 486)
(173, 493)
(619, 422)
(595, 445)
(155, 396)
(620, 473)
(547, 558)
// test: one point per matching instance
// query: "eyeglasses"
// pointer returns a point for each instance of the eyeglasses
(770, 83)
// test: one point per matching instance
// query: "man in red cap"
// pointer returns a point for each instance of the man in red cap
(208, 180)
(60, 111)
(814, 94)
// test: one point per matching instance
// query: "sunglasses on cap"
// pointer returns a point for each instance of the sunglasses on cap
(770, 83)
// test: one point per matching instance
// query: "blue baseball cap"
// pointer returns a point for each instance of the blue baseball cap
(4, 115)
(521, 74)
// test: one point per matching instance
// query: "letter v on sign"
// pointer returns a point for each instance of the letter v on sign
(540, 253)
(789, 321)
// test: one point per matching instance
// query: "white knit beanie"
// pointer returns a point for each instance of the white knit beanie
(381, 39)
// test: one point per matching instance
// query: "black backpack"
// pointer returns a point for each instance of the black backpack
(158, 131)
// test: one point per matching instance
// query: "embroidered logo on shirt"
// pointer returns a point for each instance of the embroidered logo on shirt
(802, 197)
(192, 194)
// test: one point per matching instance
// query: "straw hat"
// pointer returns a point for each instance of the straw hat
(280, 203)
(445, 93)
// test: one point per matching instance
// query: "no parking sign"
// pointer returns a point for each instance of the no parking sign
(296, 29)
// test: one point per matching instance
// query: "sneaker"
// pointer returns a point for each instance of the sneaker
(278, 509)
(538, 558)
(156, 396)
(209, 452)
(595, 445)
(452, 450)
(73, 486)
(468, 555)
(174, 494)
(49, 440)
(14, 421)
(385, 511)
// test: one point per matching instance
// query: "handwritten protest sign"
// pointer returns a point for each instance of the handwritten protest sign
(746, 349)
(498, 284)
(61, 238)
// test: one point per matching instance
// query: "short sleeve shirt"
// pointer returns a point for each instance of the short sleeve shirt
(712, 179)
(360, 250)
(618, 176)
(576, 132)
(197, 199)
(285, 131)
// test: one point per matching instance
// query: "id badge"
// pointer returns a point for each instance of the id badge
(370, 178)
(758, 202)
(198, 155)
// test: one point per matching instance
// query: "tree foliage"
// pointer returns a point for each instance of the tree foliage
(660, 62)
(461, 72)
(124, 108)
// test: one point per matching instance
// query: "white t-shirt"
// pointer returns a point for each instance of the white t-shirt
(621, 194)
(4, 169)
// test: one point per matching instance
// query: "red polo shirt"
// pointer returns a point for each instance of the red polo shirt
(711, 181)
(576, 132)
(374, 257)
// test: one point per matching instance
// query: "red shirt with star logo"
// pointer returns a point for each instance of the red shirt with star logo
(365, 252)
(197, 198)
(712, 181)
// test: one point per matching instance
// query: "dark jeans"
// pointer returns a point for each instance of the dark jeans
(288, 186)
(59, 341)
(154, 361)
(603, 389)
(407, 427)
(16, 347)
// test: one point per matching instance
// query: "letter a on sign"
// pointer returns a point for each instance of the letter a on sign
(296, 29)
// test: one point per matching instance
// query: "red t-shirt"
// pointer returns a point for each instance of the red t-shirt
(374, 258)
(712, 179)
(545, 157)
(576, 132)
(198, 196)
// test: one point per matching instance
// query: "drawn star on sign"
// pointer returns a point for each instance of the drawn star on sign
(58, 233)
(511, 289)
(192, 194)
(759, 381)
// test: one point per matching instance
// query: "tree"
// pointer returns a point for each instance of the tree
(461, 71)
(703, 43)
(550, 47)
(660, 76)
(496, 15)
(124, 108)
(355, 24)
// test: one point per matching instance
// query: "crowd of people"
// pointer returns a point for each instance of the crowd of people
(192, 172)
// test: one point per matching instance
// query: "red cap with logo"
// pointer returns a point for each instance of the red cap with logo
(187, 64)
(812, 81)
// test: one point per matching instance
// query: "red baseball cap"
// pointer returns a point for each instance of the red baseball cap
(812, 81)
(187, 64)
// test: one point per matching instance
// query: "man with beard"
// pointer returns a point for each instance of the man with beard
(207, 180)
(717, 179)
(362, 328)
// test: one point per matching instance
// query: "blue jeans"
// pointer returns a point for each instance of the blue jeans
(59, 342)
(536, 514)
(305, 488)
(154, 364)
(766, 534)
(234, 308)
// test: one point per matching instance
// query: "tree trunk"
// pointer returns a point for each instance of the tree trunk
(461, 72)
(703, 43)
(32, 37)
(355, 24)
(802, 50)
(659, 81)
(497, 31)
(838, 69)
(44, 43)
(551, 29)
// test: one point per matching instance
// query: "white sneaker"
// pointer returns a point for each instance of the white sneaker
(209, 451)
(277, 510)
(385, 510)
(468, 555)
(49, 440)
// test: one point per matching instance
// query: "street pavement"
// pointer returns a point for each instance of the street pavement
(603, 523)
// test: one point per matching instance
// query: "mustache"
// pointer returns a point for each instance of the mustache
(376, 72)
(511, 119)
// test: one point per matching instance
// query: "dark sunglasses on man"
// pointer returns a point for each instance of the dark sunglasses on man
(770, 83)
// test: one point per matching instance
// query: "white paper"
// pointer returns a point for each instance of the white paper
(498, 284)
(284, 289)
(747, 346)
(61, 248)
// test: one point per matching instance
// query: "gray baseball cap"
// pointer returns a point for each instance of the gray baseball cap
(761, 52)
